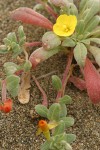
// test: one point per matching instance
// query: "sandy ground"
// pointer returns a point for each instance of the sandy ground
(17, 129)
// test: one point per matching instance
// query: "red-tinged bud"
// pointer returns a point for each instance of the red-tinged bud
(7, 106)
(92, 78)
(29, 16)
(40, 54)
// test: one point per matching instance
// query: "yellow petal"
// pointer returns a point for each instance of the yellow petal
(47, 134)
(62, 19)
(71, 21)
(52, 125)
(38, 131)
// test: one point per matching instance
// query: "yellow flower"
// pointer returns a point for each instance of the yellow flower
(44, 127)
(65, 25)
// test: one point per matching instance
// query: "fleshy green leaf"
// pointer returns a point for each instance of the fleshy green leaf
(56, 82)
(27, 66)
(50, 40)
(86, 41)
(21, 35)
(10, 68)
(95, 51)
(3, 49)
(95, 32)
(92, 24)
(7, 42)
(16, 49)
(82, 5)
(73, 9)
(63, 111)
(68, 42)
(80, 27)
(94, 9)
(65, 100)
(45, 145)
(70, 138)
(13, 85)
(60, 128)
(69, 121)
(54, 112)
(80, 53)
(41, 110)
(95, 40)
(12, 37)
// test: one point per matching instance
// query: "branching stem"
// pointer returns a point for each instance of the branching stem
(66, 76)
(45, 101)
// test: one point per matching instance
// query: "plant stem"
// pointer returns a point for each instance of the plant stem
(4, 91)
(45, 101)
(32, 44)
(66, 76)
(48, 9)
(46, 75)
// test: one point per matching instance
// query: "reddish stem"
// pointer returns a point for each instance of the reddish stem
(45, 101)
(65, 76)
(51, 11)
(4, 92)
(48, 9)
(32, 44)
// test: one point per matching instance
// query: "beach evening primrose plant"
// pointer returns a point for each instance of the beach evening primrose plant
(74, 30)
(65, 25)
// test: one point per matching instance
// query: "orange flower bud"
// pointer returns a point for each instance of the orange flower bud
(43, 125)
(7, 106)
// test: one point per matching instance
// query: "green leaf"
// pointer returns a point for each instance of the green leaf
(63, 111)
(68, 42)
(94, 9)
(80, 53)
(13, 85)
(10, 68)
(7, 42)
(12, 37)
(95, 51)
(95, 33)
(70, 138)
(73, 9)
(16, 49)
(60, 128)
(95, 40)
(66, 145)
(21, 33)
(56, 82)
(86, 41)
(92, 24)
(22, 41)
(65, 100)
(69, 121)
(3, 49)
(54, 112)
(50, 40)
(41, 110)
(80, 27)
(45, 145)
(82, 4)
(27, 66)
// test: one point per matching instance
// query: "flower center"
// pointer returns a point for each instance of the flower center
(66, 28)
